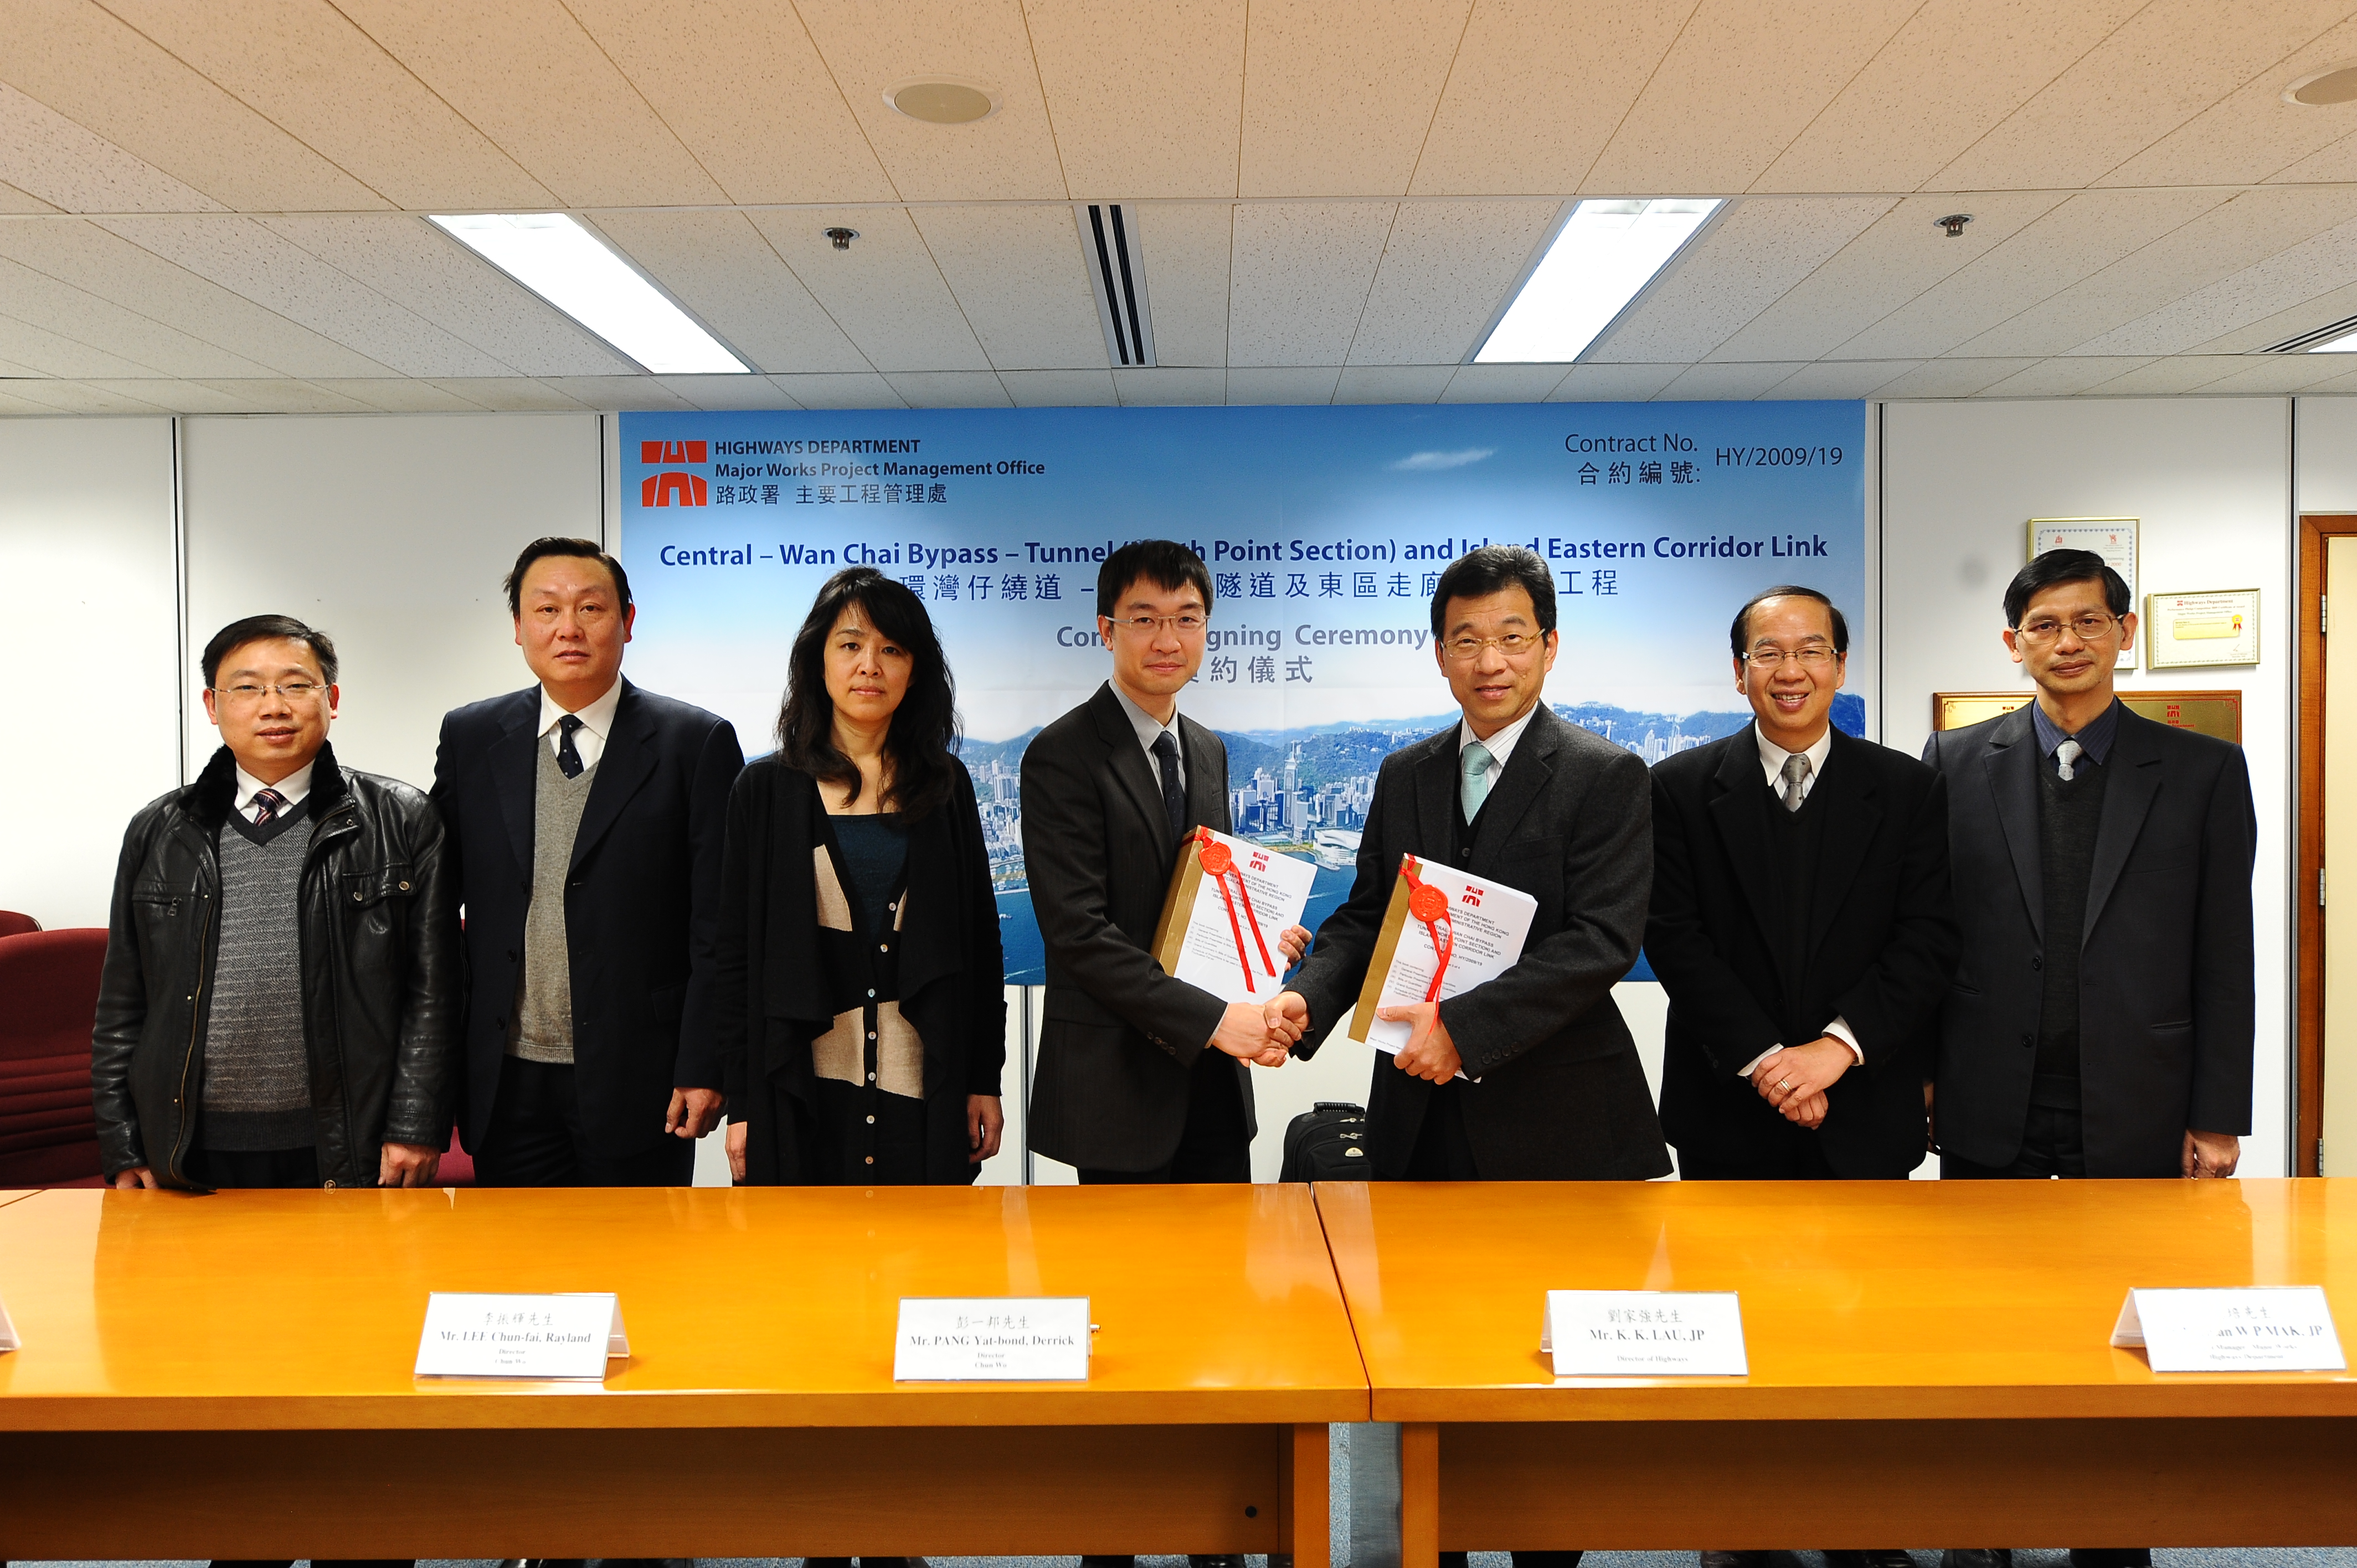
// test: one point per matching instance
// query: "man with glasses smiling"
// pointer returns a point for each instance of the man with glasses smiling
(279, 1003)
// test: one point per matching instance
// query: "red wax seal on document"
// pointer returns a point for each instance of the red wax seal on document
(1217, 857)
(1428, 903)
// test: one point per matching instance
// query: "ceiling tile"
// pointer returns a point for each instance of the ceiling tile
(1300, 278)
(1284, 384)
(403, 394)
(1502, 383)
(64, 167)
(618, 393)
(1059, 388)
(1613, 383)
(525, 74)
(885, 292)
(317, 77)
(79, 397)
(87, 256)
(1011, 155)
(2170, 377)
(91, 68)
(1739, 267)
(2219, 243)
(511, 394)
(1338, 100)
(1162, 387)
(729, 391)
(2074, 240)
(722, 268)
(1505, 122)
(52, 354)
(2157, 71)
(2317, 311)
(1189, 250)
(2281, 285)
(286, 396)
(949, 389)
(241, 255)
(742, 86)
(1698, 383)
(86, 318)
(1897, 258)
(2251, 133)
(415, 264)
(15, 406)
(1393, 384)
(1146, 97)
(1949, 76)
(1019, 275)
(1951, 378)
(2275, 374)
(175, 396)
(861, 389)
(2061, 376)
(1445, 269)
(1767, 66)
(1841, 379)
(14, 199)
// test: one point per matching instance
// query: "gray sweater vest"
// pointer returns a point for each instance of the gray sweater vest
(257, 1092)
(543, 1031)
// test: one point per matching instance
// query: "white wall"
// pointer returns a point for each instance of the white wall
(392, 534)
(2210, 479)
(88, 639)
(2324, 448)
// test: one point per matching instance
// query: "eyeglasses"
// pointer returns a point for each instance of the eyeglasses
(2089, 628)
(1812, 658)
(1514, 645)
(1145, 626)
(246, 695)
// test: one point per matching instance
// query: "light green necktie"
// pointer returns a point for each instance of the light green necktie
(1475, 760)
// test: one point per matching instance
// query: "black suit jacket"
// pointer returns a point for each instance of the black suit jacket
(1120, 1037)
(1880, 945)
(640, 908)
(2166, 1003)
(1562, 1095)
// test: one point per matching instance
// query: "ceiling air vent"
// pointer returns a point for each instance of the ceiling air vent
(1117, 276)
(2309, 341)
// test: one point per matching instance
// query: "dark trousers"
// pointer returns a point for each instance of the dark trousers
(2050, 1146)
(1214, 1146)
(316, 1562)
(1799, 1155)
(247, 1168)
(534, 1139)
(1443, 1151)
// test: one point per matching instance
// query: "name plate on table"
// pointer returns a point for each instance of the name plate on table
(950, 1339)
(529, 1338)
(8, 1340)
(1644, 1334)
(2252, 1329)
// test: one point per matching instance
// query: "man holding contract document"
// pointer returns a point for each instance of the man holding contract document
(1500, 895)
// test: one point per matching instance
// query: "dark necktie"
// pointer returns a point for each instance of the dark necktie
(267, 804)
(1174, 794)
(568, 761)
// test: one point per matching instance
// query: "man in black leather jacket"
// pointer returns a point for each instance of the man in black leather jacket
(286, 1015)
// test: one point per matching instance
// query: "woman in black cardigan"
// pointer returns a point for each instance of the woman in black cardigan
(860, 1010)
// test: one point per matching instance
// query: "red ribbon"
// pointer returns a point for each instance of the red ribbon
(1219, 863)
(1430, 904)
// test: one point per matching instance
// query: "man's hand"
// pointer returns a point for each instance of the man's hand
(693, 1112)
(1292, 941)
(985, 1121)
(1244, 1035)
(733, 1141)
(1429, 1053)
(2210, 1154)
(1286, 1016)
(1800, 1073)
(407, 1165)
(1807, 1111)
(134, 1178)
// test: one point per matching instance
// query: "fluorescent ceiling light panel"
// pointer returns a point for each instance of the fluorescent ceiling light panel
(568, 266)
(2345, 344)
(1602, 258)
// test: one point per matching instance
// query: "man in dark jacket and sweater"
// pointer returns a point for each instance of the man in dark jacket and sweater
(279, 1004)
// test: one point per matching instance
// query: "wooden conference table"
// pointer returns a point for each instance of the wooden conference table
(1929, 1365)
(229, 1376)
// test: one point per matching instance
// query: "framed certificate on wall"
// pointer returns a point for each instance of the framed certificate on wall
(2185, 630)
(2113, 538)
(2218, 714)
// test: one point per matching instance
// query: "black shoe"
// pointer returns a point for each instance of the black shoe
(1216, 1559)
(1868, 1560)
(1977, 1557)
(1734, 1560)
(1108, 1562)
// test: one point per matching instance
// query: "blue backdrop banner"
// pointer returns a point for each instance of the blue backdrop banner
(1325, 530)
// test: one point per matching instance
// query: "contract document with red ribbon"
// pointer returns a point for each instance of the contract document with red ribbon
(1229, 900)
(1444, 933)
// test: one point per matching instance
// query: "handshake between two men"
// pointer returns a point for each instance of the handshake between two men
(1265, 1033)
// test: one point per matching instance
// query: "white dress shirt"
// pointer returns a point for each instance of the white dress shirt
(294, 787)
(1500, 745)
(1771, 763)
(596, 722)
(1151, 729)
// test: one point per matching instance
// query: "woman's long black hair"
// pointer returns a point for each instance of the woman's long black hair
(924, 733)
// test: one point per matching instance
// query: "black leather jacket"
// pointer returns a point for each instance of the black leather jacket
(382, 978)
